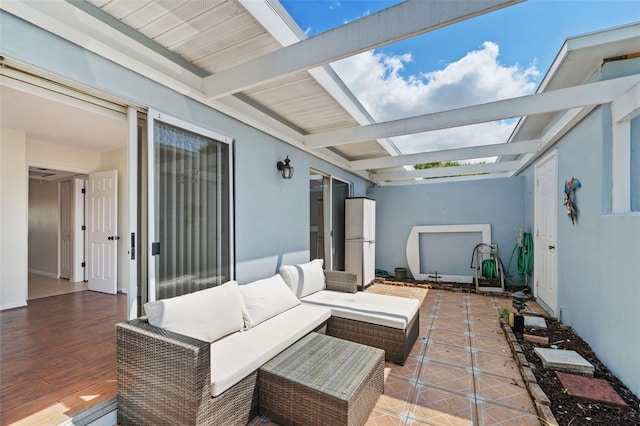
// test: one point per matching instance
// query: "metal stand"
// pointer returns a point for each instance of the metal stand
(488, 253)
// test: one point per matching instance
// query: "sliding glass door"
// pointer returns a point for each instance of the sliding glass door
(327, 231)
(190, 200)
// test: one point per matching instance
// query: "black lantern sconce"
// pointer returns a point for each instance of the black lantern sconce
(286, 170)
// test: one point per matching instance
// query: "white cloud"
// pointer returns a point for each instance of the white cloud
(377, 81)
(335, 5)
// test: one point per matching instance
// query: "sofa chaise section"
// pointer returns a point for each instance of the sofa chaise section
(386, 322)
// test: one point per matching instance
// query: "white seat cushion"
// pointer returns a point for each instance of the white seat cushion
(238, 355)
(264, 299)
(389, 311)
(206, 314)
(305, 278)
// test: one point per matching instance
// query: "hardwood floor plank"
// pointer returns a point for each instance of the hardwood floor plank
(61, 357)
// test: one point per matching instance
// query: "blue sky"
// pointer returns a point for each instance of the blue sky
(495, 56)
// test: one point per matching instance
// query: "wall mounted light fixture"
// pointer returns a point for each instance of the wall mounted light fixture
(286, 170)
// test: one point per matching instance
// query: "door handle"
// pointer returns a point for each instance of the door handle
(552, 247)
(113, 238)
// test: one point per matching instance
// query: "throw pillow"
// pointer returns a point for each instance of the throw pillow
(205, 315)
(264, 299)
(305, 278)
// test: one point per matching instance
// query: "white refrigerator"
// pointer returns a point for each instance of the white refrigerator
(360, 239)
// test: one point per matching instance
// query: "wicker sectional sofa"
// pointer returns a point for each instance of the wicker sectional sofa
(195, 358)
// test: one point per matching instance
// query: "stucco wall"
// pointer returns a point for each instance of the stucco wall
(597, 257)
(498, 202)
(635, 164)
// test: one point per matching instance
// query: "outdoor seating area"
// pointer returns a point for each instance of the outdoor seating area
(195, 358)
(293, 367)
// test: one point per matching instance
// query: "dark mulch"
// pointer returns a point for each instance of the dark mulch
(567, 409)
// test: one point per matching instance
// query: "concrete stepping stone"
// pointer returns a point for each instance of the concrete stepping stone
(535, 322)
(562, 360)
(590, 389)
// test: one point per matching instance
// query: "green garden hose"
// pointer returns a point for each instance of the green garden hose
(490, 269)
(525, 258)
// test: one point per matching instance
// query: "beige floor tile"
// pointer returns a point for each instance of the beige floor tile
(396, 396)
(486, 326)
(450, 324)
(494, 344)
(447, 377)
(437, 407)
(503, 391)
(452, 355)
(500, 365)
(451, 313)
(449, 337)
(492, 414)
(409, 370)
(421, 344)
(381, 417)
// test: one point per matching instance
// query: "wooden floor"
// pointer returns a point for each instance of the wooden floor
(57, 357)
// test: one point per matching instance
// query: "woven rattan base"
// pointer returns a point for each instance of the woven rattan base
(395, 342)
(322, 381)
(164, 379)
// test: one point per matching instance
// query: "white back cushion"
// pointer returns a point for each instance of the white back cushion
(206, 315)
(264, 299)
(305, 278)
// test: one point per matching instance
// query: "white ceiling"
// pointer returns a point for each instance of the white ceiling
(62, 120)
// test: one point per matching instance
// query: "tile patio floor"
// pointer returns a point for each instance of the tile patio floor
(460, 371)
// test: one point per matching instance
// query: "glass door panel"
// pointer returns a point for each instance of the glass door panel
(192, 220)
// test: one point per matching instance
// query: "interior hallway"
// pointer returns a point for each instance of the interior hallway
(41, 286)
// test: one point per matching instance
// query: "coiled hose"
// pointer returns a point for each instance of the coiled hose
(490, 269)
(524, 262)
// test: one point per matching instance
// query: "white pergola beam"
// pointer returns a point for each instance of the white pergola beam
(504, 166)
(482, 151)
(557, 100)
(407, 19)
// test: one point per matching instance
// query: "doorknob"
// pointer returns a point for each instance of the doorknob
(552, 247)
(113, 238)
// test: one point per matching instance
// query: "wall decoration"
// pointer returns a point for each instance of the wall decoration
(570, 198)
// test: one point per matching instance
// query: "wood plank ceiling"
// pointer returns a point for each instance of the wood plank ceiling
(215, 35)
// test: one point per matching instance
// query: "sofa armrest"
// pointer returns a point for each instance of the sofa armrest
(158, 372)
(345, 282)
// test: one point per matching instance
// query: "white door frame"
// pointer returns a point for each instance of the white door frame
(545, 251)
(131, 238)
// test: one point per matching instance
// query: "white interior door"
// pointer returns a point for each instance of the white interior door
(66, 230)
(546, 224)
(102, 209)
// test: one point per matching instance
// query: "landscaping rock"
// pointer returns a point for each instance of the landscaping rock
(590, 389)
(562, 360)
(536, 339)
(535, 322)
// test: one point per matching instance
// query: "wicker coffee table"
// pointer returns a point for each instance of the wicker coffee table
(322, 380)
